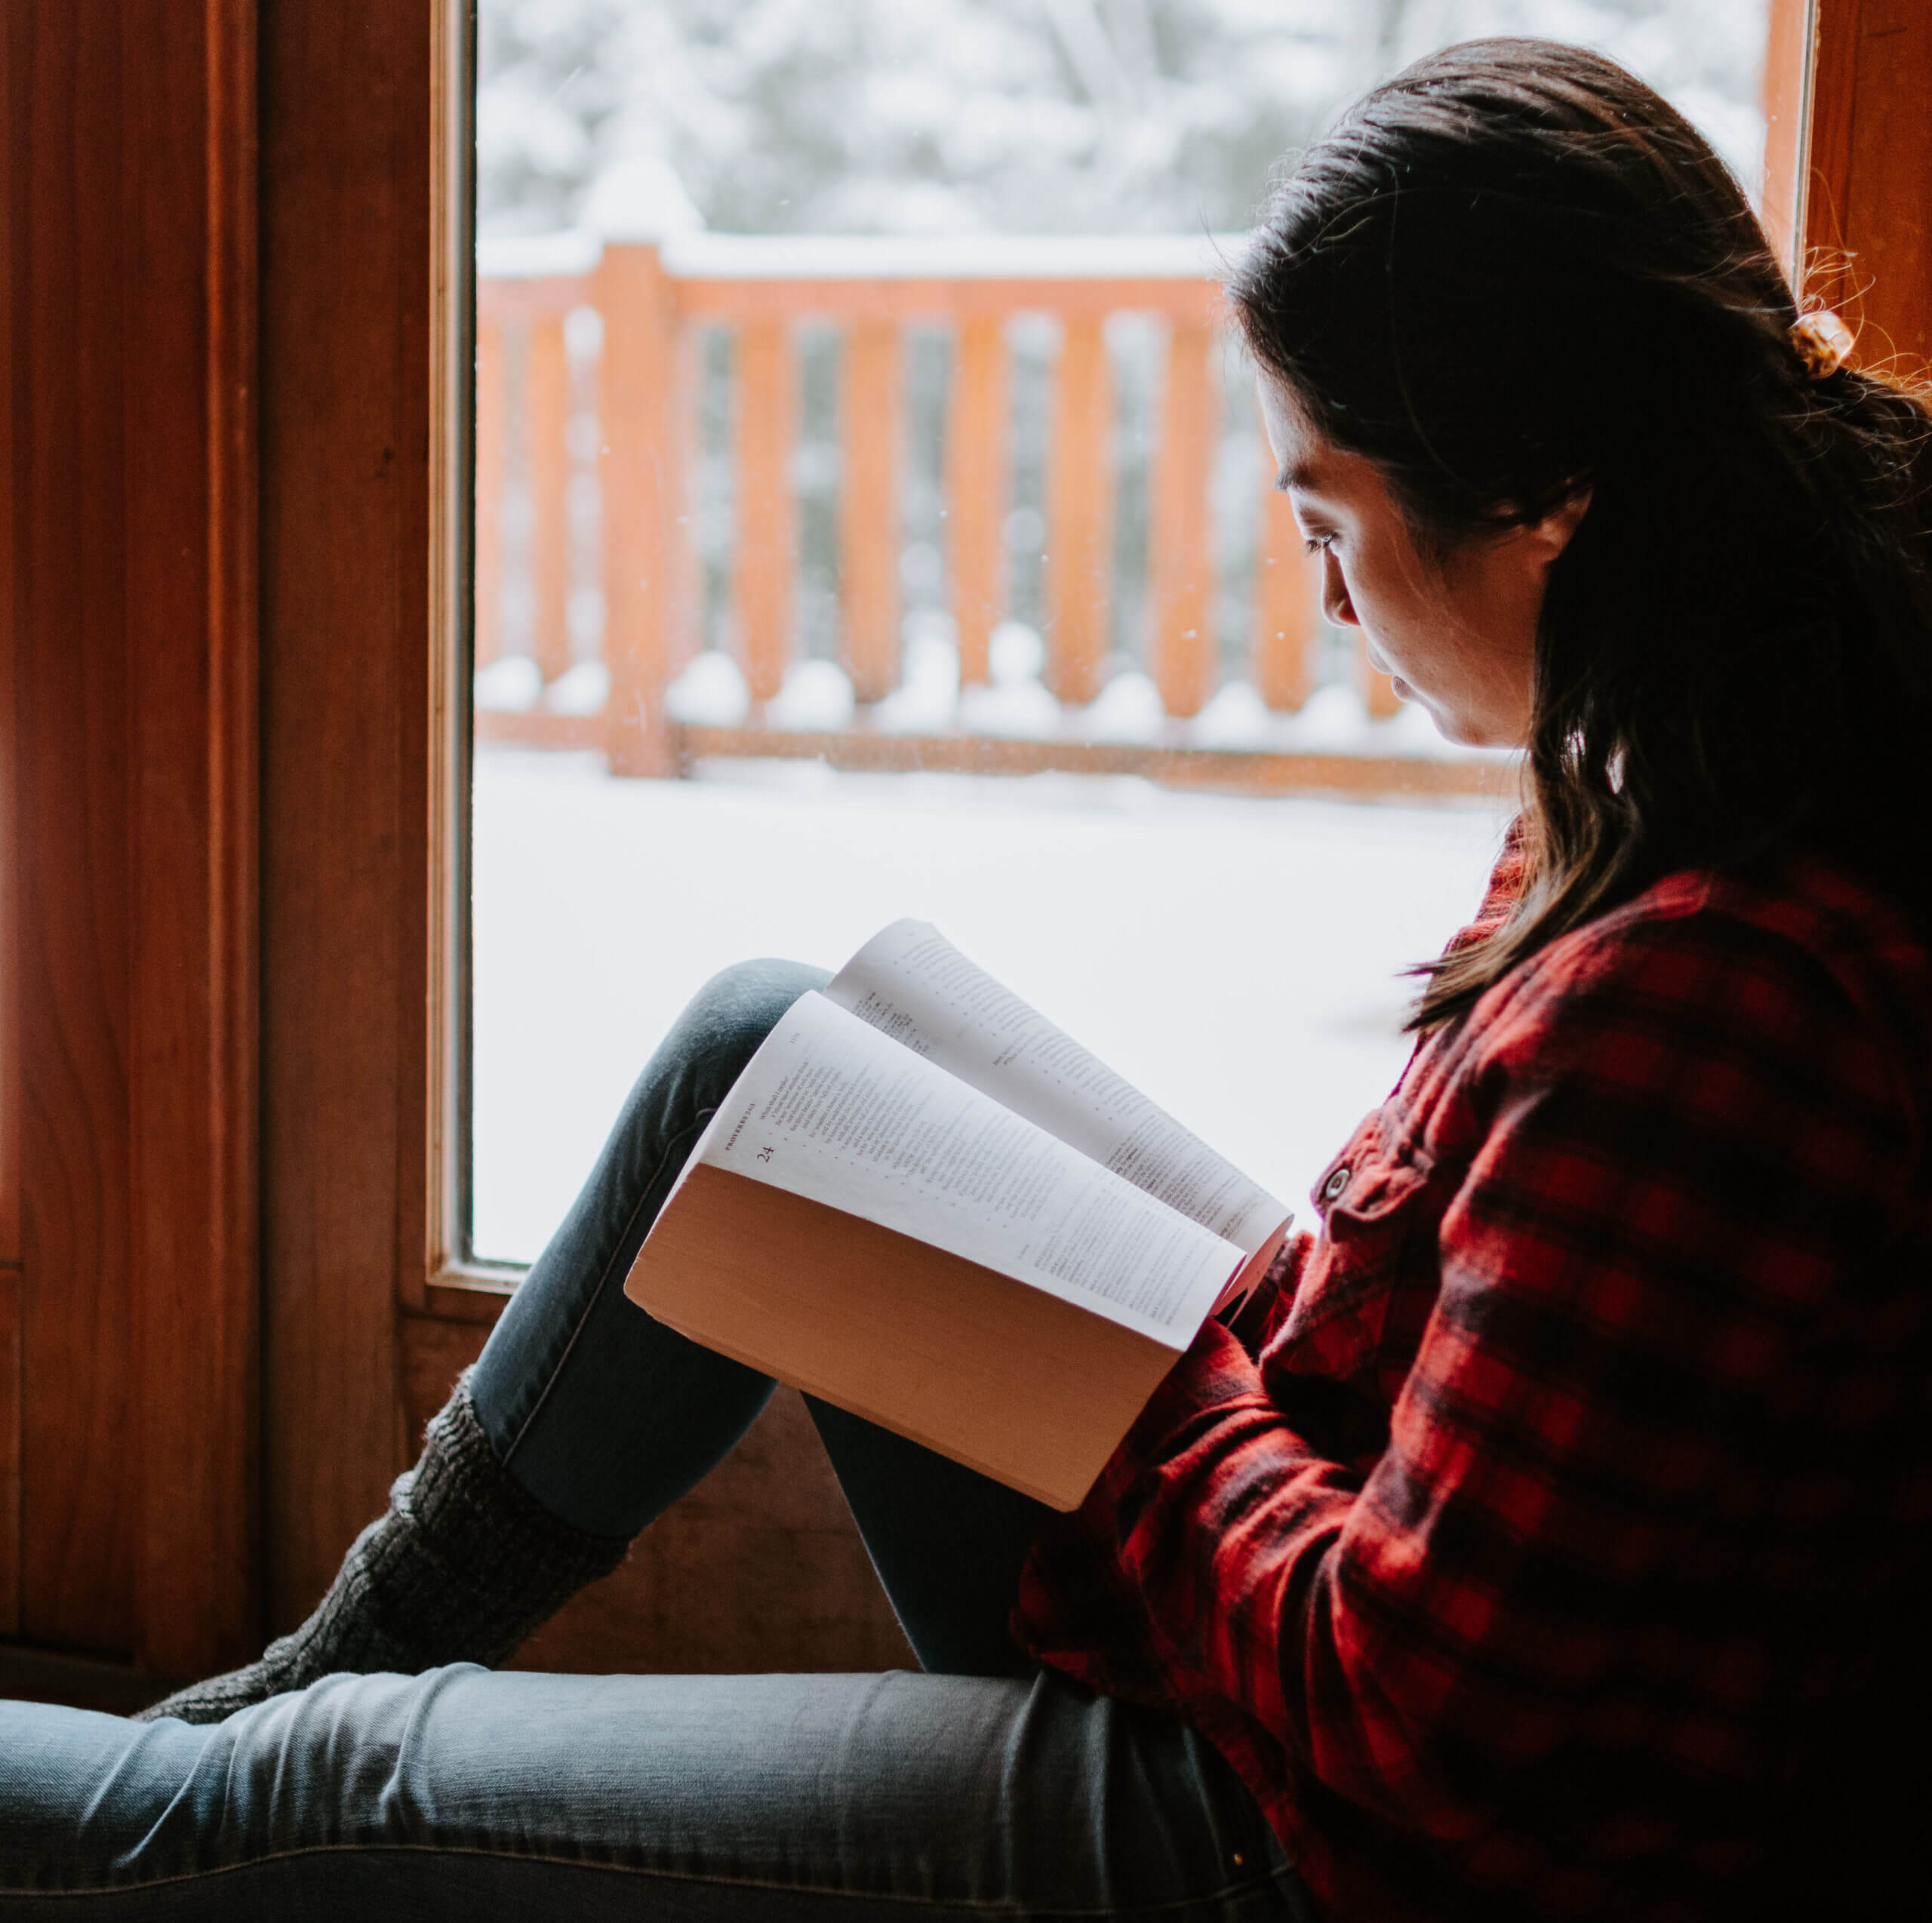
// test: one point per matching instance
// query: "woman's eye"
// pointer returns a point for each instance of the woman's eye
(1317, 543)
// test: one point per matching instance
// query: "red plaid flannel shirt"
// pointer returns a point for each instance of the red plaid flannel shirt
(1579, 1471)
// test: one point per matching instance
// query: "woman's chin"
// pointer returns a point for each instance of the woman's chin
(1459, 726)
(1462, 730)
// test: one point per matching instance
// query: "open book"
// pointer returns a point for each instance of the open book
(925, 1203)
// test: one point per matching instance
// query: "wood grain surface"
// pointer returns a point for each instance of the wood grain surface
(131, 821)
(347, 740)
(642, 569)
(976, 445)
(1080, 513)
(10, 1451)
(13, 524)
(1867, 202)
(1182, 567)
(188, 295)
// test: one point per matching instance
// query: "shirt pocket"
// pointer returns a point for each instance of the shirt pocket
(1371, 1197)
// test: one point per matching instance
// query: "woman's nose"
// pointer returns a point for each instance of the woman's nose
(1335, 602)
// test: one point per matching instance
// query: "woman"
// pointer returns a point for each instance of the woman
(1550, 1535)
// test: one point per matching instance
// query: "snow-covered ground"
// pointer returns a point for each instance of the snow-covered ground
(1236, 958)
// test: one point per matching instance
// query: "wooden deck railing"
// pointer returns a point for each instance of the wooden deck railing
(631, 374)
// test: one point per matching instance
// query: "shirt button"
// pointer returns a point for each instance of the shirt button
(1335, 1184)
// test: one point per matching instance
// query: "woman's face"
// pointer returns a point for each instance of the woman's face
(1456, 634)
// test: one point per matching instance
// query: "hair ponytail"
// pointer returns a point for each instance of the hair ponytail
(1514, 273)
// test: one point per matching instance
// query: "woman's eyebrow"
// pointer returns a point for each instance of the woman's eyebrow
(1297, 477)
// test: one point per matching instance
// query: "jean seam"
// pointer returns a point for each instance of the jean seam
(695, 1126)
(1009, 1906)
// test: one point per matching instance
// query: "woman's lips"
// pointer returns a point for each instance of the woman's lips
(1403, 692)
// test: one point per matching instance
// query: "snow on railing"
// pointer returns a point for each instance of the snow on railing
(613, 442)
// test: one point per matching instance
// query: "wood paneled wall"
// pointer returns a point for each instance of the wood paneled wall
(11, 527)
(129, 801)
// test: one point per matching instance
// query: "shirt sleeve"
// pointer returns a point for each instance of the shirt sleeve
(1686, 1144)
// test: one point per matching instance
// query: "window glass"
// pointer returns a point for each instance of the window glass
(871, 522)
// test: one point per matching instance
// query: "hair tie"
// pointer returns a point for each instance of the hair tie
(1823, 342)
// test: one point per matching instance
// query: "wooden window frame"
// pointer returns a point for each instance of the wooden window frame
(235, 732)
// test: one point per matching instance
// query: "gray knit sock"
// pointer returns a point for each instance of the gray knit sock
(465, 1564)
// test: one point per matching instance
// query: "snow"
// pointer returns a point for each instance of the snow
(1128, 710)
(538, 256)
(1236, 958)
(952, 256)
(1235, 717)
(1021, 710)
(1334, 718)
(815, 696)
(640, 199)
(696, 255)
(928, 695)
(510, 685)
(1015, 653)
(582, 689)
(710, 692)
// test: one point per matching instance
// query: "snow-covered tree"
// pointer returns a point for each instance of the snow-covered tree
(1002, 116)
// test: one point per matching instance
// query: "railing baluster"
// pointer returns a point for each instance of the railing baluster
(546, 427)
(870, 401)
(1079, 511)
(975, 486)
(487, 560)
(636, 390)
(683, 568)
(1181, 562)
(767, 406)
(1287, 606)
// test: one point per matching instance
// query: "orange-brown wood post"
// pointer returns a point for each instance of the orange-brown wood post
(869, 423)
(1787, 61)
(546, 415)
(684, 568)
(10, 1384)
(762, 577)
(488, 554)
(1180, 562)
(1868, 239)
(1079, 513)
(1287, 607)
(10, 1037)
(10, 1449)
(638, 401)
(975, 487)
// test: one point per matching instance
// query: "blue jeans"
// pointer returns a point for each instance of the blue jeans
(983, 1785)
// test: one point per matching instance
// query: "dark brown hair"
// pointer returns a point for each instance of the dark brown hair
(1514, 273)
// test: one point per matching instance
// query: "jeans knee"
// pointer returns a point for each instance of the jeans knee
(725, 1023)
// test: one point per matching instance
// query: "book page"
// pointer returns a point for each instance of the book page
(831, 1109)
(910, 982)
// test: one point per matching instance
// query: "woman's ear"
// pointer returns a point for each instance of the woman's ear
(1552, 533)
